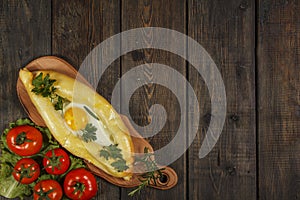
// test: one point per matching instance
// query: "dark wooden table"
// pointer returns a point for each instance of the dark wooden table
(256, 46)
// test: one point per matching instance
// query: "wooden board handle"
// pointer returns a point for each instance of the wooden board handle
(167, 181)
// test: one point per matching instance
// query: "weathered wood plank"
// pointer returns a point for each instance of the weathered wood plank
(279, 99)
(78, 27)
(227, 32)
(25, 33)
(167, 14)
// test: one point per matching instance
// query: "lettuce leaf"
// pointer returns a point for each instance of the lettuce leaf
(10, 188)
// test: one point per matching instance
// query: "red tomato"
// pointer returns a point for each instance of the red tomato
(26, 171)
(24, 140)
(80, 184)
(47, 189)
(56, 161)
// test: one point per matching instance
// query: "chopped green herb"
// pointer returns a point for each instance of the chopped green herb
(44, 86)
(89, 133)
(112, 151)
(120, 165)
(59, 104)
(90, 112)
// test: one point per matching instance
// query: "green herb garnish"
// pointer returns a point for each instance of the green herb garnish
(150, 177)
(89, 133)
(112, 151)
(90, 112)
(59, 103)
(120, 165)
(44, 86)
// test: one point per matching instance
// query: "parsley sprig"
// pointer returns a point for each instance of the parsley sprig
(150, 177)
(44, 86)
(112, 151)
(89, 133)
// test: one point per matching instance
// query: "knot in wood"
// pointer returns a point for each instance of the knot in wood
(138, 55)
(231, 170)
(234, 117)
(244, 5)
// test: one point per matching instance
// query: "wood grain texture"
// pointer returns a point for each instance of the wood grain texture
(79, 26)
(25, 33)
(279, 99)
(167, 14)
(226, 31)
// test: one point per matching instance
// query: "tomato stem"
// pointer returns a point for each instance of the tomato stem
(79, 187)
(43, 195)
(21, 138)
(54, 161)
(25, 172)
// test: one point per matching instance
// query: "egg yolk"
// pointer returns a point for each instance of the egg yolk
(76, 118)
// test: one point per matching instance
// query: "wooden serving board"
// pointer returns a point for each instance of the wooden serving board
(53, 63)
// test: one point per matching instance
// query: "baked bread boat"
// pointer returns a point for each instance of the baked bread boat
(123, 179)
(83, 122)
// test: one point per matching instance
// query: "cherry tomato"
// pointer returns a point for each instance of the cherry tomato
(47, 189)
(80, 184)
(24, 140)
(26, 171)
(56, 161)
